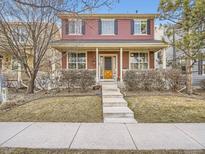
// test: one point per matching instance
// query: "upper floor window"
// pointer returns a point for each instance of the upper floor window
(75, 27)
(107, 26)
(20, 35)
(139, 60)
(140, 27)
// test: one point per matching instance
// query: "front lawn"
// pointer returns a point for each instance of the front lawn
(57, 109)
(82, 151)
(163, 109)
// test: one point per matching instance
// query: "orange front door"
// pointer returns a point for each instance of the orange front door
(108, 68)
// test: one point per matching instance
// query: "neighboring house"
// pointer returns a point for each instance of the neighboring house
(161, 55)
(12, 68)
(108, 43)
(198, 67)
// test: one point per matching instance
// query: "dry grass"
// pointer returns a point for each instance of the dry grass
(167, 109)
(65, 151)
(57, 109)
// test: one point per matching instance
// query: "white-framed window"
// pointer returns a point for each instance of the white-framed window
(140, 26)
(75, 27)
(77, 60)
(20, 35)
(107, 26)
(203, 67)
(182, 63)
(15, 63)
(138, 60)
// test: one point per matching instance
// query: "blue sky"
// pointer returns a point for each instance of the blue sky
(130, 6)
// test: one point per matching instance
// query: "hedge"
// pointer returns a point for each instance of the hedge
(150, 80)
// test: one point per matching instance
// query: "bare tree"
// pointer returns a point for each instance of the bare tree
(28, 26)
(184, 16)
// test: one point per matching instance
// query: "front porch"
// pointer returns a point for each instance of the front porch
(109, 59)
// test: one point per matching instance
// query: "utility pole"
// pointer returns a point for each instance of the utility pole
(174, 50)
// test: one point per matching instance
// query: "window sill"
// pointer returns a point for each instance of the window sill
(75, 34)
(141, 34)
(107, 34)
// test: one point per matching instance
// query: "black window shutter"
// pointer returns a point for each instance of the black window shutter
(148, 27)
(83, 27)
(99, 27)
(116, 27)
(200, 65)
(66, 26)
(132, 26)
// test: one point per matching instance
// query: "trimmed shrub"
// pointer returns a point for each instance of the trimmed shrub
(175, 79)
(77, 79)
(68, 79)
(153, 80)
(85, 79)
(202, 84)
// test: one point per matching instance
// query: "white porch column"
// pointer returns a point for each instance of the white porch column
(164, 59)
(97, 65)
(156, 63)
(121, 64)
(53, 63)
(19, 79)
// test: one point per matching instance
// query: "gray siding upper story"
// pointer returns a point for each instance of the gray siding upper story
(197, 77)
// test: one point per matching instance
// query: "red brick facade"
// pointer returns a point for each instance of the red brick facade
(91, 60)
(126, 60)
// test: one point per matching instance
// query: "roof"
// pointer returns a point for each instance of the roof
(59, 44)
(116, 16)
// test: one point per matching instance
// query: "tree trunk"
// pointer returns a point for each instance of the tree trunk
(30, 88)
(189, 89)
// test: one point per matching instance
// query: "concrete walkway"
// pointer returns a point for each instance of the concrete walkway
(115, 108)
(102, 136)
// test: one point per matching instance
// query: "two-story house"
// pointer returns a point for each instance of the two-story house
(108, 43)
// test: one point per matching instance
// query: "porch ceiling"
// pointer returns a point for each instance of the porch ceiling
(153, 45)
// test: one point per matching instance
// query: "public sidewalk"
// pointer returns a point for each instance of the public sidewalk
(102, 136)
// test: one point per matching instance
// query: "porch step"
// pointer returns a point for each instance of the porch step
(113, 94)
(115, 108)
(108, 83)
(110, 90)
(117, 112)
(114, 102)
(110, 87)
(120, 120)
